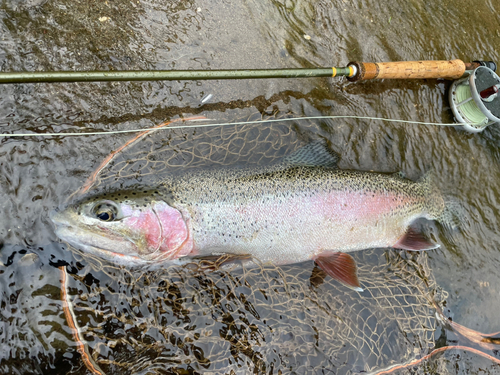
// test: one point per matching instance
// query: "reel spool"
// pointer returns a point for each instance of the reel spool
(475, 100)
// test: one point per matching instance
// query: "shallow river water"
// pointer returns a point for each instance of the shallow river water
(270, 320)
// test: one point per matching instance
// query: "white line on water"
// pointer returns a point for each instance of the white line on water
(226, 124)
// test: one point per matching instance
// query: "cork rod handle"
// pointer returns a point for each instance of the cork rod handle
(451, 69)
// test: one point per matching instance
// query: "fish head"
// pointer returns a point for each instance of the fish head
(126, 227)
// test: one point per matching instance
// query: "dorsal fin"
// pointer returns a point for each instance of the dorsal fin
(314, 154)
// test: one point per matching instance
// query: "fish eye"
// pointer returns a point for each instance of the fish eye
(105, 211)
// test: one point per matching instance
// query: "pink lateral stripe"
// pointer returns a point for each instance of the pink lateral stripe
(175, 233)
(358, 204)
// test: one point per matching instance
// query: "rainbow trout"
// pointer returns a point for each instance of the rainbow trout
(302, 209)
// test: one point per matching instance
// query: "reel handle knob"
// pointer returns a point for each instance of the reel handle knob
(487, 95)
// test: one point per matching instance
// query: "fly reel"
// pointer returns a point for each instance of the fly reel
(475, 100)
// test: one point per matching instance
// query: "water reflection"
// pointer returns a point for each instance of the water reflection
(250, 320)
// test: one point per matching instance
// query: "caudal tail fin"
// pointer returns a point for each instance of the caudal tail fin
(444, 209)
(453, 214)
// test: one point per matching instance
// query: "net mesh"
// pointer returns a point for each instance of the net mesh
(257, 320)
(170, 151)
(265, 319)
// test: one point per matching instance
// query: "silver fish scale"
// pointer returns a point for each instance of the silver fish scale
(229, 184)
(218, 202)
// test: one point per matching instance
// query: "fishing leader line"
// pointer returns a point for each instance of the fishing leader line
(225, 124)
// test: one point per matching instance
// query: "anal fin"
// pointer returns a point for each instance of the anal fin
(342, 267)
(414, 241)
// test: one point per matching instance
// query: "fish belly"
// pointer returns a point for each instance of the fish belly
(284, 229)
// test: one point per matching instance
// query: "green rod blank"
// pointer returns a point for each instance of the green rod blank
(168, 75)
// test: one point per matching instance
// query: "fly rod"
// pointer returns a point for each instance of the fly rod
(354, 71)
(474, 96)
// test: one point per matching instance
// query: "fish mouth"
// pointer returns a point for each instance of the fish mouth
(53, 215)
(84, 239)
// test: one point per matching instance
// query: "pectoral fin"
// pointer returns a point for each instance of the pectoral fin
(341, 267)
(414, 240)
